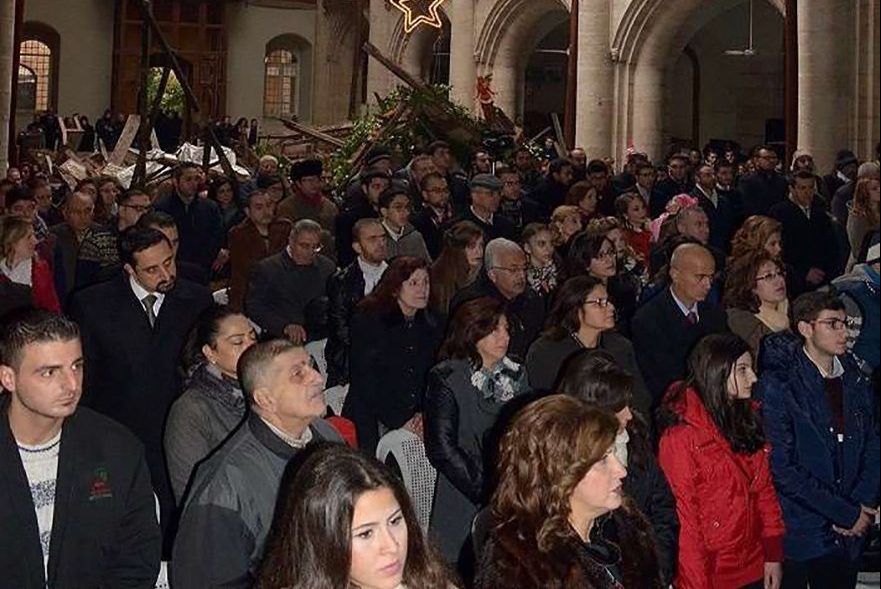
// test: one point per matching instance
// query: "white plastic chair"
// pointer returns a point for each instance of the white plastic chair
(417, 472)
(316, 350)
(336, 397)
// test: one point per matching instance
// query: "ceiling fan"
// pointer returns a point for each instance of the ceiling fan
(749, 51)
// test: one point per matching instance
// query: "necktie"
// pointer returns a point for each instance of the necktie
(148, 302)
(692, 318)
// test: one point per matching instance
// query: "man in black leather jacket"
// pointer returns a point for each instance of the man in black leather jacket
(346, 288)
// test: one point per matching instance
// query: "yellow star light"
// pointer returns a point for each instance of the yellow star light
(419, 12)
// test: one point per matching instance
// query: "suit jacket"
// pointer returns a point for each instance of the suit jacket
(131, 372)
(246, 248)
(721, 216)
(808, 243)
(345, 289)
(104, 530)
(761, 191)
(661, 320)
(200, 226)
(425, 222)
(501, 227)
(283, 293)
(664, 191)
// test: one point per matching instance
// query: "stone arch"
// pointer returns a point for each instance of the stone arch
(650, 36)
(413, 51)
(46, 73)
(301, 51)
(510, 31)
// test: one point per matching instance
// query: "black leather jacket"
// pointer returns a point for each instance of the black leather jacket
(345, 289)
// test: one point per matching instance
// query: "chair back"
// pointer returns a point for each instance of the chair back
(418, 474)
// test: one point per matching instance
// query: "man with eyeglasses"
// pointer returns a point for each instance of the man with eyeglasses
(402, 239)
(98, 257)
(678, 181)
(436, 212)
(287, 293)
(818, 419)
(486, 195)
(667, 327)
(765, 187)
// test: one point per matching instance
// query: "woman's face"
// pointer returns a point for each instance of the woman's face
(601, 490)
(625, 416)
(569, 226)
(540, 248)
(234, 337)
(774, 246)
(108, 192)
(742, 378)
(588, 204)
(224, 194)
(25, 247)
(770, 284)
(474, 253)
(493, 347)
(636, 212)
(379, 541)
(415, 290)
(597, 311)
(616, 236)
(605, 264)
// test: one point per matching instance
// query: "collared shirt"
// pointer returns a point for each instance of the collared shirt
(837, 367)
(685, 310)
(645, 194)
(396, 235)
(806, 210)
(714, 198)
(723, 188)
(141, 292)
(372, 274)
(488, 221)
(22, 273)
(842, 177)
(288, 439)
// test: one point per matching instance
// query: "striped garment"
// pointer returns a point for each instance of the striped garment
(41, 467)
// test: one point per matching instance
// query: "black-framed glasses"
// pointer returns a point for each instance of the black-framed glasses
(138, 208)
(603, 254)
(833, 324)
(771, 276)
(602, 303)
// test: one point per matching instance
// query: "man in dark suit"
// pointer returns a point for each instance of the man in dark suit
(667, 327)
(550, 192)
(198, 219)
(719, 210)
(258, 236)
(765, 187)
(486, 196)
(346, 288)
(364, 205)
(165, 224)
(846, 165)
(809, 244)
(133, 330)
(435, 214)
(287, 293)
(76, 500)
(677, 182)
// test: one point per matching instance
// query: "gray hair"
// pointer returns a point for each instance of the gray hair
(687, 212)
(254, 364)
(305, 226)
(868, 170)
(496, 247)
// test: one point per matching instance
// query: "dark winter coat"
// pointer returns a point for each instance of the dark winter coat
(200, 225)
(345, 289)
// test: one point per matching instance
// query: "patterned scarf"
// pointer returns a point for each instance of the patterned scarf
(542, 280)
(501, 382)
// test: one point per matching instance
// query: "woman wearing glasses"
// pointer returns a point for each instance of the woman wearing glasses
(597, 256)
(582, 317)
(756, 298)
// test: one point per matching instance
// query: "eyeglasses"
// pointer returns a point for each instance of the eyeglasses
(602, 254)
(309, 247)
(601, 303)
(138, 208)
(771, 276)
(400, 207)
(833, 324)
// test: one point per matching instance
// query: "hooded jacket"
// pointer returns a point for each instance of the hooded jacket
(820, 482)
(862, 301)
(730, 520)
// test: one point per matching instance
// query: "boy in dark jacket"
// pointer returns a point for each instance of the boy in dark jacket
(76, 503)
(824, 444)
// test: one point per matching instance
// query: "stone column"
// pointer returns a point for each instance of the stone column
(463, 67)
(596, 74)
(382, 25)
(7, 44)
(648, 109)
(825, 78)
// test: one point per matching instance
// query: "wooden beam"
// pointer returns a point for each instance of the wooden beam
(394, 68)
(311, 132)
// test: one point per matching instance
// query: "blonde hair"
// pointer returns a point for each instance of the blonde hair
(12, 230)
(862, 206)
(559, 215)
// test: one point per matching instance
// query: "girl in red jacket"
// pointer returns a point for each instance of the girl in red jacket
(20, 264)
(633, 213)
(714, 454)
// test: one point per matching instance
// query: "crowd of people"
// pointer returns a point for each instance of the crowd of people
(640, 376)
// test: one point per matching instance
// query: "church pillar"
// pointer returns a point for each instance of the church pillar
(596, 74)
(463, 68)
(7, 87)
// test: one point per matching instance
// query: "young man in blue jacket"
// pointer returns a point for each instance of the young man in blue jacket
(824, 444)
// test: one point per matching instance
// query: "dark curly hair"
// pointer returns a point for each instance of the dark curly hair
(472, 321)
(563, 317)
(740, 280)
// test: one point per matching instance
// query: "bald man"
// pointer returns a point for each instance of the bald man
(79, 216)
(667, 327)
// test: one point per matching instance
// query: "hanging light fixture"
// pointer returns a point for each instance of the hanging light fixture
(419, 12)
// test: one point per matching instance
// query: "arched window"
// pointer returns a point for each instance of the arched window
(281, 91)
(36, 56)
(26, 88)
(440, 57)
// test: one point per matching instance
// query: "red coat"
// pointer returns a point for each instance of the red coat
(640, 242)
(43, 286)
(730, 522)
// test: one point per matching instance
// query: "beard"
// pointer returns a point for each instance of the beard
(166, 286)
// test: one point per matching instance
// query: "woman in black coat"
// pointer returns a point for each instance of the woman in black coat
(393, 343)
(582, 317)
(466, 393)
(594, 376)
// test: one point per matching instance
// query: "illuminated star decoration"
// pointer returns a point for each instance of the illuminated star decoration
(419, 12)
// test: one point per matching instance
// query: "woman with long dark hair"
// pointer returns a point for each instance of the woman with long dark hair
(715, 456)
(394, 338)
(561, 519)
(222, 190)
(457, 266)
(466, 392)
(582, 316)
(347, 523)
(212, 404)
(595, 377)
